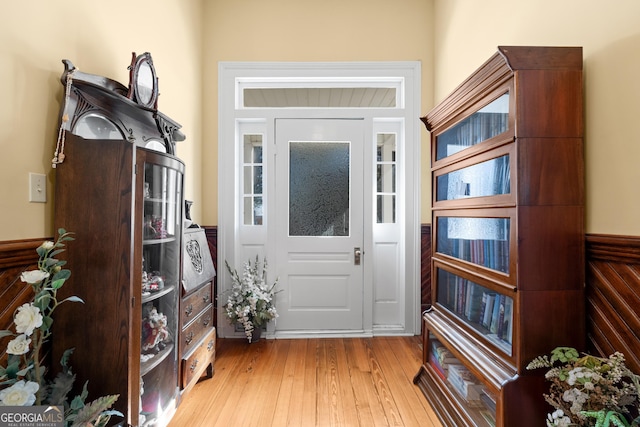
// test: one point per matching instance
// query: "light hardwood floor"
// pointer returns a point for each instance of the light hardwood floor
(310, 382)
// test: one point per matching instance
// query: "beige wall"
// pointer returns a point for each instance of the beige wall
(300, 30)
(467, 32)
(98, 37)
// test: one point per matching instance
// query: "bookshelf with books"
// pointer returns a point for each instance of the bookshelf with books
(508, 262)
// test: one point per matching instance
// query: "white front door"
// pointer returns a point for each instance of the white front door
(307, 227)
(319, 224)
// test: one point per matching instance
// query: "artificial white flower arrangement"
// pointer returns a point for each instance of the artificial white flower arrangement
(23, 381)
(251, 300)
(589, 390)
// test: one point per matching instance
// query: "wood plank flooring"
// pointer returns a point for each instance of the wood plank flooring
(310, 382)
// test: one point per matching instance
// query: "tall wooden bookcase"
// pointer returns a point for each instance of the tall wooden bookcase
(508, 236)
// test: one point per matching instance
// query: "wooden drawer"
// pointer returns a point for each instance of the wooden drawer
(198, 328)
(193, 304)
(202, 357)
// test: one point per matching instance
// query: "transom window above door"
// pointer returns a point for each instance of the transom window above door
(376, 93)
(314, 97)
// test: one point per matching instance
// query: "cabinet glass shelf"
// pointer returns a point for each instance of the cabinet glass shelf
(158, 241)
(488, 312)
(484, 124)
(149, 365)
(157, 294)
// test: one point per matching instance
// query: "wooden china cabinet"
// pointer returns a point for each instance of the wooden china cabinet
(119, 188)
(508, 242)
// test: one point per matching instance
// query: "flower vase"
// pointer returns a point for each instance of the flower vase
(255, 334)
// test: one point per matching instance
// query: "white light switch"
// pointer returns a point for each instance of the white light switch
(37, 188)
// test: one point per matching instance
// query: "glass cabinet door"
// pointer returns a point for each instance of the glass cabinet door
(488, 178)
(160, 292)
(487, 311)
(484, 124)
(476, 396)
(484, 241)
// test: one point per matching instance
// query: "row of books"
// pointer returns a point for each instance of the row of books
(491, 311)
(497, 315)
(492, 254)
(472, 130)
(462, 381)
(480, 127)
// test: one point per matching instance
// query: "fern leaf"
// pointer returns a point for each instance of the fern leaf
(93, 411)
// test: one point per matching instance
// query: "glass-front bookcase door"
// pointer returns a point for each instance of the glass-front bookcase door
(482, 237)
(162, 232)
(477, 397)
(486, 123)
(487, 309)
(480, 241)
(483, 180)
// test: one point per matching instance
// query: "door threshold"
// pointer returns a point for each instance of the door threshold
(319, 334)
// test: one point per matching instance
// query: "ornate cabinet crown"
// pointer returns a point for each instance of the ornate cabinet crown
(97, 107)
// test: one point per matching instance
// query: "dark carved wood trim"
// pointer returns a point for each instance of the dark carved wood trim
(14, 253)
(607, 247)
(613, 296)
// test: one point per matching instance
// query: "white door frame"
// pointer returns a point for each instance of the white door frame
(238, 243)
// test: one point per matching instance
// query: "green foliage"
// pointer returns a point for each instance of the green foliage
(564, 355)
(607, 418)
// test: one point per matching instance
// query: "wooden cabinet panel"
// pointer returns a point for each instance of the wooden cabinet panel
(193, 333)
(201, 359)
(193, 304)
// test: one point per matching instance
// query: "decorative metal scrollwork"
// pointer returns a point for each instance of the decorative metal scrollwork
(195, 255)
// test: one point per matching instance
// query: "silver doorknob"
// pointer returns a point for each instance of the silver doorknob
(357, 254)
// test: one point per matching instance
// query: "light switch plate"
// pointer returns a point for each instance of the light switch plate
(37, 188)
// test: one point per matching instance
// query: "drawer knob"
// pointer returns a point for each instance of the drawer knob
(206, 298)
(193, 365)
(210, 345)
(188, 310)
(206, 320)
(189, 338)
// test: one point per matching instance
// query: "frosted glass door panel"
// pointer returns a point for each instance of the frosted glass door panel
(482, 241)
(319, 188)
(489, 178)
(484, 124)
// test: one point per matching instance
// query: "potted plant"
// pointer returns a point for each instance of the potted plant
(24, 381)
(251, 299)
(588, 390)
